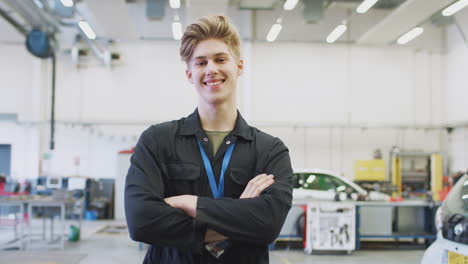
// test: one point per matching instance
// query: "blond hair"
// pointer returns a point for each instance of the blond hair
(210, 27)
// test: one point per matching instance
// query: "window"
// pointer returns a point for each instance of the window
(341, 186)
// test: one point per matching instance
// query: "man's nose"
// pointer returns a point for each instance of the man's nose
(211, 68)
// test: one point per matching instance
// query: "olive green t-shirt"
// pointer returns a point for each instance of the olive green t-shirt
(216, 138)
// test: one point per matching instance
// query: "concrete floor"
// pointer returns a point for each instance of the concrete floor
(106, 248)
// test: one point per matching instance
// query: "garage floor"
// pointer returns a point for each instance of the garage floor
(116, 248)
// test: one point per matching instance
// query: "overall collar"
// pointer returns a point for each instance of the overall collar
(191, 125)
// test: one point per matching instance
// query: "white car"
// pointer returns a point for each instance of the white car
(319, 184)
(451, 245)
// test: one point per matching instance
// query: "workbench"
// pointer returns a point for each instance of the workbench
(53, 214)
(17, 209)
(413, 219)
(386, 217)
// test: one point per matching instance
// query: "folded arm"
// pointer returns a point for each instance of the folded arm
(255, 220)
(149, 218)
(188, 203)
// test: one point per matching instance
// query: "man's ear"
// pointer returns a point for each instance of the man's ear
(240, 67)
(188, 73)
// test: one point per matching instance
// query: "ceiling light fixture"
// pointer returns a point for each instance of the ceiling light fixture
(410, 35)
(365, 6)
(177, 30)
(174, 3)
(290, 4)
(274, 32)
(336, 33)
(87, 30)
(452, 9)
(67, 3)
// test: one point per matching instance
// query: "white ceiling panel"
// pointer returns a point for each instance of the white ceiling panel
(114, 18)
(407, 16)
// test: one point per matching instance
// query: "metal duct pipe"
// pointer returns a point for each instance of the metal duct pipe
(44, 17)
(33, 14)
(21, 29)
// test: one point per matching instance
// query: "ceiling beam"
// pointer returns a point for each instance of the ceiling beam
(200, 8)
(407, 16)
(117, 26)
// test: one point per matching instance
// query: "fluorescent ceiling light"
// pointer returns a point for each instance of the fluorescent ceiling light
(365, 5)
(336, 33)
(273, 33)
(174, 3)
(452, 9)
(67, 3)
(410, 35)
(177, 30)
(87, 30)
(290, 4)
(39, 4)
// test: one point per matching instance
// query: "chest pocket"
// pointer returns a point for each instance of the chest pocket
(239, 178)
(183, 178)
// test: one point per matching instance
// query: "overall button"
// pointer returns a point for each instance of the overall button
(205, 139)
(228, 142)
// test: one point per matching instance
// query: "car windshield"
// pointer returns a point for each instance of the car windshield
(457, 200)
(320, 182)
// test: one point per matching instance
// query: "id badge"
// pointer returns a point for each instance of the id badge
(217, 249)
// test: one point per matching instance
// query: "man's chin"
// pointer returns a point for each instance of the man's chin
(218, 100)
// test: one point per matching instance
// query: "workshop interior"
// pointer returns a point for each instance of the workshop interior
(369, 96)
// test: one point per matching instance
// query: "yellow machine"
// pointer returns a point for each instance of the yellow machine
(369, 170)
(434, 171)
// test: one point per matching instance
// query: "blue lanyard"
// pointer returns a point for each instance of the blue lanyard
(218, 191)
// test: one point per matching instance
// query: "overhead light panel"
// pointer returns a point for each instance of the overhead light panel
(174, 3)
(67, 3)
(274, 32)
(87, 30)
(365, 6)
(177, 30)
(336, 33)
(38, 3)
(452, 9)
(412, 34)
(290, 4)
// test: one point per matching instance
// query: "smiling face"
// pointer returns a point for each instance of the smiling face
(213, 71)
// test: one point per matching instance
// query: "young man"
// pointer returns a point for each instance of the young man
(201, 189)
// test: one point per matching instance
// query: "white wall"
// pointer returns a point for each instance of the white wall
(307, 84)
(25, 148)
(148, 85)
(316, 85)
(335, 84)
(457, 63)
(16, 72)
(458, 149)
(457, 79)
(86, 151)
(19, 94)
(457, 92)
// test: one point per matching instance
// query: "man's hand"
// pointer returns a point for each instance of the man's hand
(212, 236)
(188, 203)
(257, 185)
(252, 190)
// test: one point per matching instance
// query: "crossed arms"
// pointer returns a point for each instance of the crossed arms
(187, 222)
(188, 203)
